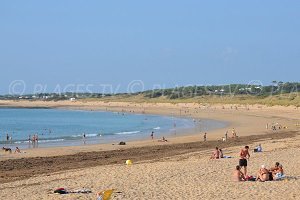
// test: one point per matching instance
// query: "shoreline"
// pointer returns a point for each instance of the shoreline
(245, 121)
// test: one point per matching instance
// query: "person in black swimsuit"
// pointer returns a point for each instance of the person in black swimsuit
(244, 155)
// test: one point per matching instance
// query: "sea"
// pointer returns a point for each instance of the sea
(62, 127)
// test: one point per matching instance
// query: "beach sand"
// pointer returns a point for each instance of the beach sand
(163, 174)
(187, 176)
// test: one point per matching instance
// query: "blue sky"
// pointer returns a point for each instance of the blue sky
(59, 44)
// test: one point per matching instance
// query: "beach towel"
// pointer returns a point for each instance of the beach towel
(65, 191)
(279, 176)
(105, 195)
(227, 157)
(61, 191)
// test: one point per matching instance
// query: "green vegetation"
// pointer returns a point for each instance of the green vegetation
(278, 93)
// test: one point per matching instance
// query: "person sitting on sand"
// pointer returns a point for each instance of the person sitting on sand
(272, 169)
(258, 148)
(163, 139)
(278, 173)
(238, 175)
(221, 153)
(263, 174)
(17, 150)
(215, 154)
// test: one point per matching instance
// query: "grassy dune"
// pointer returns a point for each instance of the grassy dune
(282, 99)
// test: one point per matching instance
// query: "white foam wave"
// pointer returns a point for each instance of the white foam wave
(86, 135)
(40, 141)
(127, 132)
(156, 128)
(54, 140)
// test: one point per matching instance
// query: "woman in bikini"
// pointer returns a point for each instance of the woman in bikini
(278, 173)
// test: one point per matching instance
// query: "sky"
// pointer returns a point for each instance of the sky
(128, 46)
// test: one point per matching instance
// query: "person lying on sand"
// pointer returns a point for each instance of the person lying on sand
(6, 149)
(238, 175)
(215, 154)
(17, 150)
(163, 140)
(263, 174)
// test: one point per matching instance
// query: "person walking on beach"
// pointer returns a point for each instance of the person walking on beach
(244, 155)
(152, 135)
(204, 137)
(226, 135)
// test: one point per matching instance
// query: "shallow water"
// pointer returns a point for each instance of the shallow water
(57, 127)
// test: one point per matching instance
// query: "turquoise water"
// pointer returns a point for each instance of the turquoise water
(56, 127)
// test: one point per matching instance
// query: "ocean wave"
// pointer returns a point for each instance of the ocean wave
(127, 132)
(86, 135)
(54, 140)
(156, 128)
(40, 141)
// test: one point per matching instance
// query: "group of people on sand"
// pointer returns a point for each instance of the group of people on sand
(163, 139)
(6, 149)
(263, 174)
(217, 154)
(233, 135)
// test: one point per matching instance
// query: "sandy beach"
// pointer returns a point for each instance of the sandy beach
(179, 169)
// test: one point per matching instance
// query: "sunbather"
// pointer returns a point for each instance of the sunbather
(215, 154)
(263, 174)
(278, 173)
